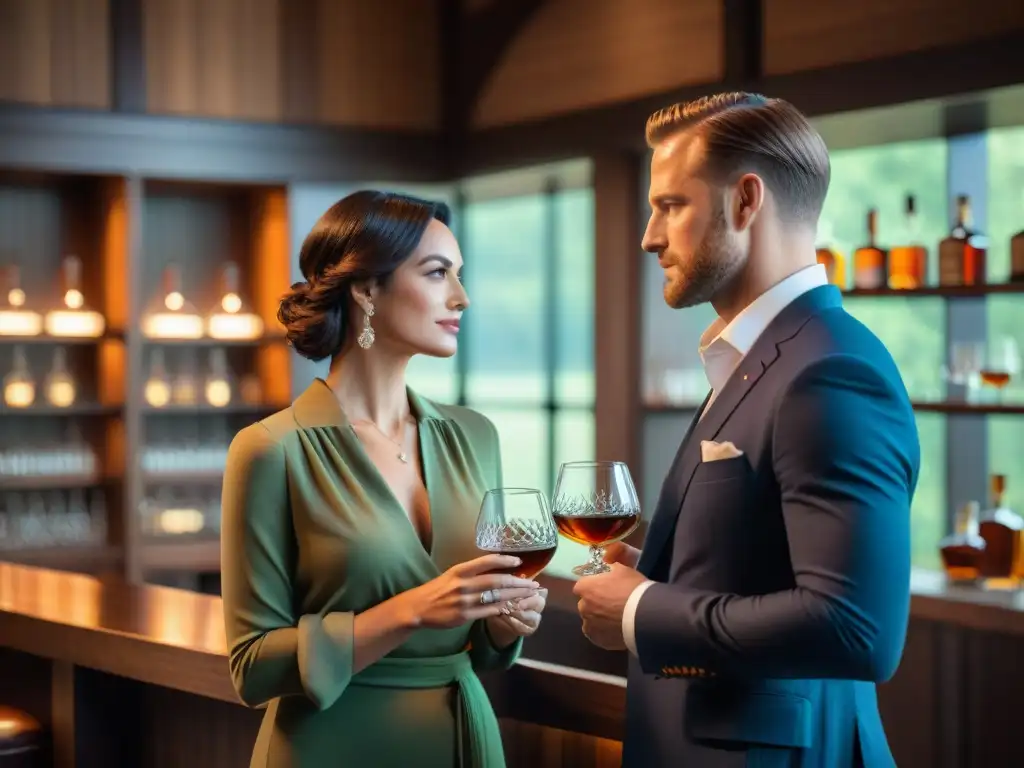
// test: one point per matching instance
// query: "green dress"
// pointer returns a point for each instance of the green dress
(311, 536)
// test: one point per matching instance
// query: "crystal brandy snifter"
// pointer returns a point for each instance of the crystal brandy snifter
(517, 521)
(595, 504)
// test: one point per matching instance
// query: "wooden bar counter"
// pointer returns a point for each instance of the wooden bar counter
(138, 677)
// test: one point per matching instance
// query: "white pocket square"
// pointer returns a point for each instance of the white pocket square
(712, 451)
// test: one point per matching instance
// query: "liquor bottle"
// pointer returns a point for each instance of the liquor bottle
(869, 261)
(59, 384)
(19, 386)
(15, 319)
(1017, 258)
(963, 549)
(232, 318)
(169, 314)
(1001, 528)
(74, 319)
(218, 389)
(908, 263)
(831, 258)
(157, 389)
(962, 253)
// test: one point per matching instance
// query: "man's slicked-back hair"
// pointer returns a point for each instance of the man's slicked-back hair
(749, 133)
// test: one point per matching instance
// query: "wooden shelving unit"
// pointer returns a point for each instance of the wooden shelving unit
(979, 409)
(126, 231)
(945, 292)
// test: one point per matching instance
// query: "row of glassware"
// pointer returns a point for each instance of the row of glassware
(54, 518)
(170, 315)
(70, 456)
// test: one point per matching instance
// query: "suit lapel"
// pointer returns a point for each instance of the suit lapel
(762, 355)
(661, 517)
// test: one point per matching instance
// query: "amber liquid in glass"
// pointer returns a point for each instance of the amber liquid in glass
(533, 561)
(997, 379)
(596, 530)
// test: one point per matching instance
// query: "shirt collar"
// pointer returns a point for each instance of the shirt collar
(748, 325)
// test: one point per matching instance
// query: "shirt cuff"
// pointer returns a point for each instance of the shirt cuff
(629, 616)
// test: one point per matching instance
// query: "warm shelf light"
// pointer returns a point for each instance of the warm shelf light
(59, 385)
(74, 319)
(15, 319)
(218, 381)
(171, 315)
(231, 318)
(157, 390)
(19, 387)
(180, 521)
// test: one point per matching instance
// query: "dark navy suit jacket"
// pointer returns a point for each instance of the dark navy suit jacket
(782, 589)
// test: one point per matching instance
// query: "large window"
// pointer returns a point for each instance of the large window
(526, 356)
(527, 359)
(1005, 314)
(912, 329)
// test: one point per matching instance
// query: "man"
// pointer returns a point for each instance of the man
(772, 592)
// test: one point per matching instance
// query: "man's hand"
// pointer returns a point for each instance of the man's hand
(621, 552)
(602, 602)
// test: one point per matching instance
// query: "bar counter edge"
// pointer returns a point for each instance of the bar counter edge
(87, 630)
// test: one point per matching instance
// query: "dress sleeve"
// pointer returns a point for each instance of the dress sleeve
(273, 653)
(484, 654)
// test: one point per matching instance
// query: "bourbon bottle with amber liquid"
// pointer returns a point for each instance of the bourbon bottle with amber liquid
(870, 263)
(831, 258)
(962, 253)
(1017, 258)
(908, 263)
(1001, 529)
(963, 549)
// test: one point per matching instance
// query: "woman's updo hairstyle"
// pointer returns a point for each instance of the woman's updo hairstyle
(364, 236)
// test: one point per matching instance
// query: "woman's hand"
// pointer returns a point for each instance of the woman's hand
(522, 617)
(466, 592)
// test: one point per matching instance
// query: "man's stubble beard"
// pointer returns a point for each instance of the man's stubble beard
(715, 264)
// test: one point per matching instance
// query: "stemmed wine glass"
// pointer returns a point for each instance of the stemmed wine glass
(517, 521)
(595, 504)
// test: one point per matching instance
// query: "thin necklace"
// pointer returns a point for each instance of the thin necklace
(402, 457)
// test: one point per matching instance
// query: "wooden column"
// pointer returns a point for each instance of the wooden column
(617, 353)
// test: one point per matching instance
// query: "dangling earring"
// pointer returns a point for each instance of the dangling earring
(365, 339)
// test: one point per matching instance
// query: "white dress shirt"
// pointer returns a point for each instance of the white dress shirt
(722, 348)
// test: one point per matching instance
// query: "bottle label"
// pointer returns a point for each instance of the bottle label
(951, 263)
(1017, 258)
(870, 278)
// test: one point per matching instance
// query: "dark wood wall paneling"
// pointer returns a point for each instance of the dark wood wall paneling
(828, 58)
(577, 54)
(55, 52)
(339, 62)
(801, 36)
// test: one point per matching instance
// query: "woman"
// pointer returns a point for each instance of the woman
(355, 607)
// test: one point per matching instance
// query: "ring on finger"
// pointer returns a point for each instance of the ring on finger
(487, 597)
